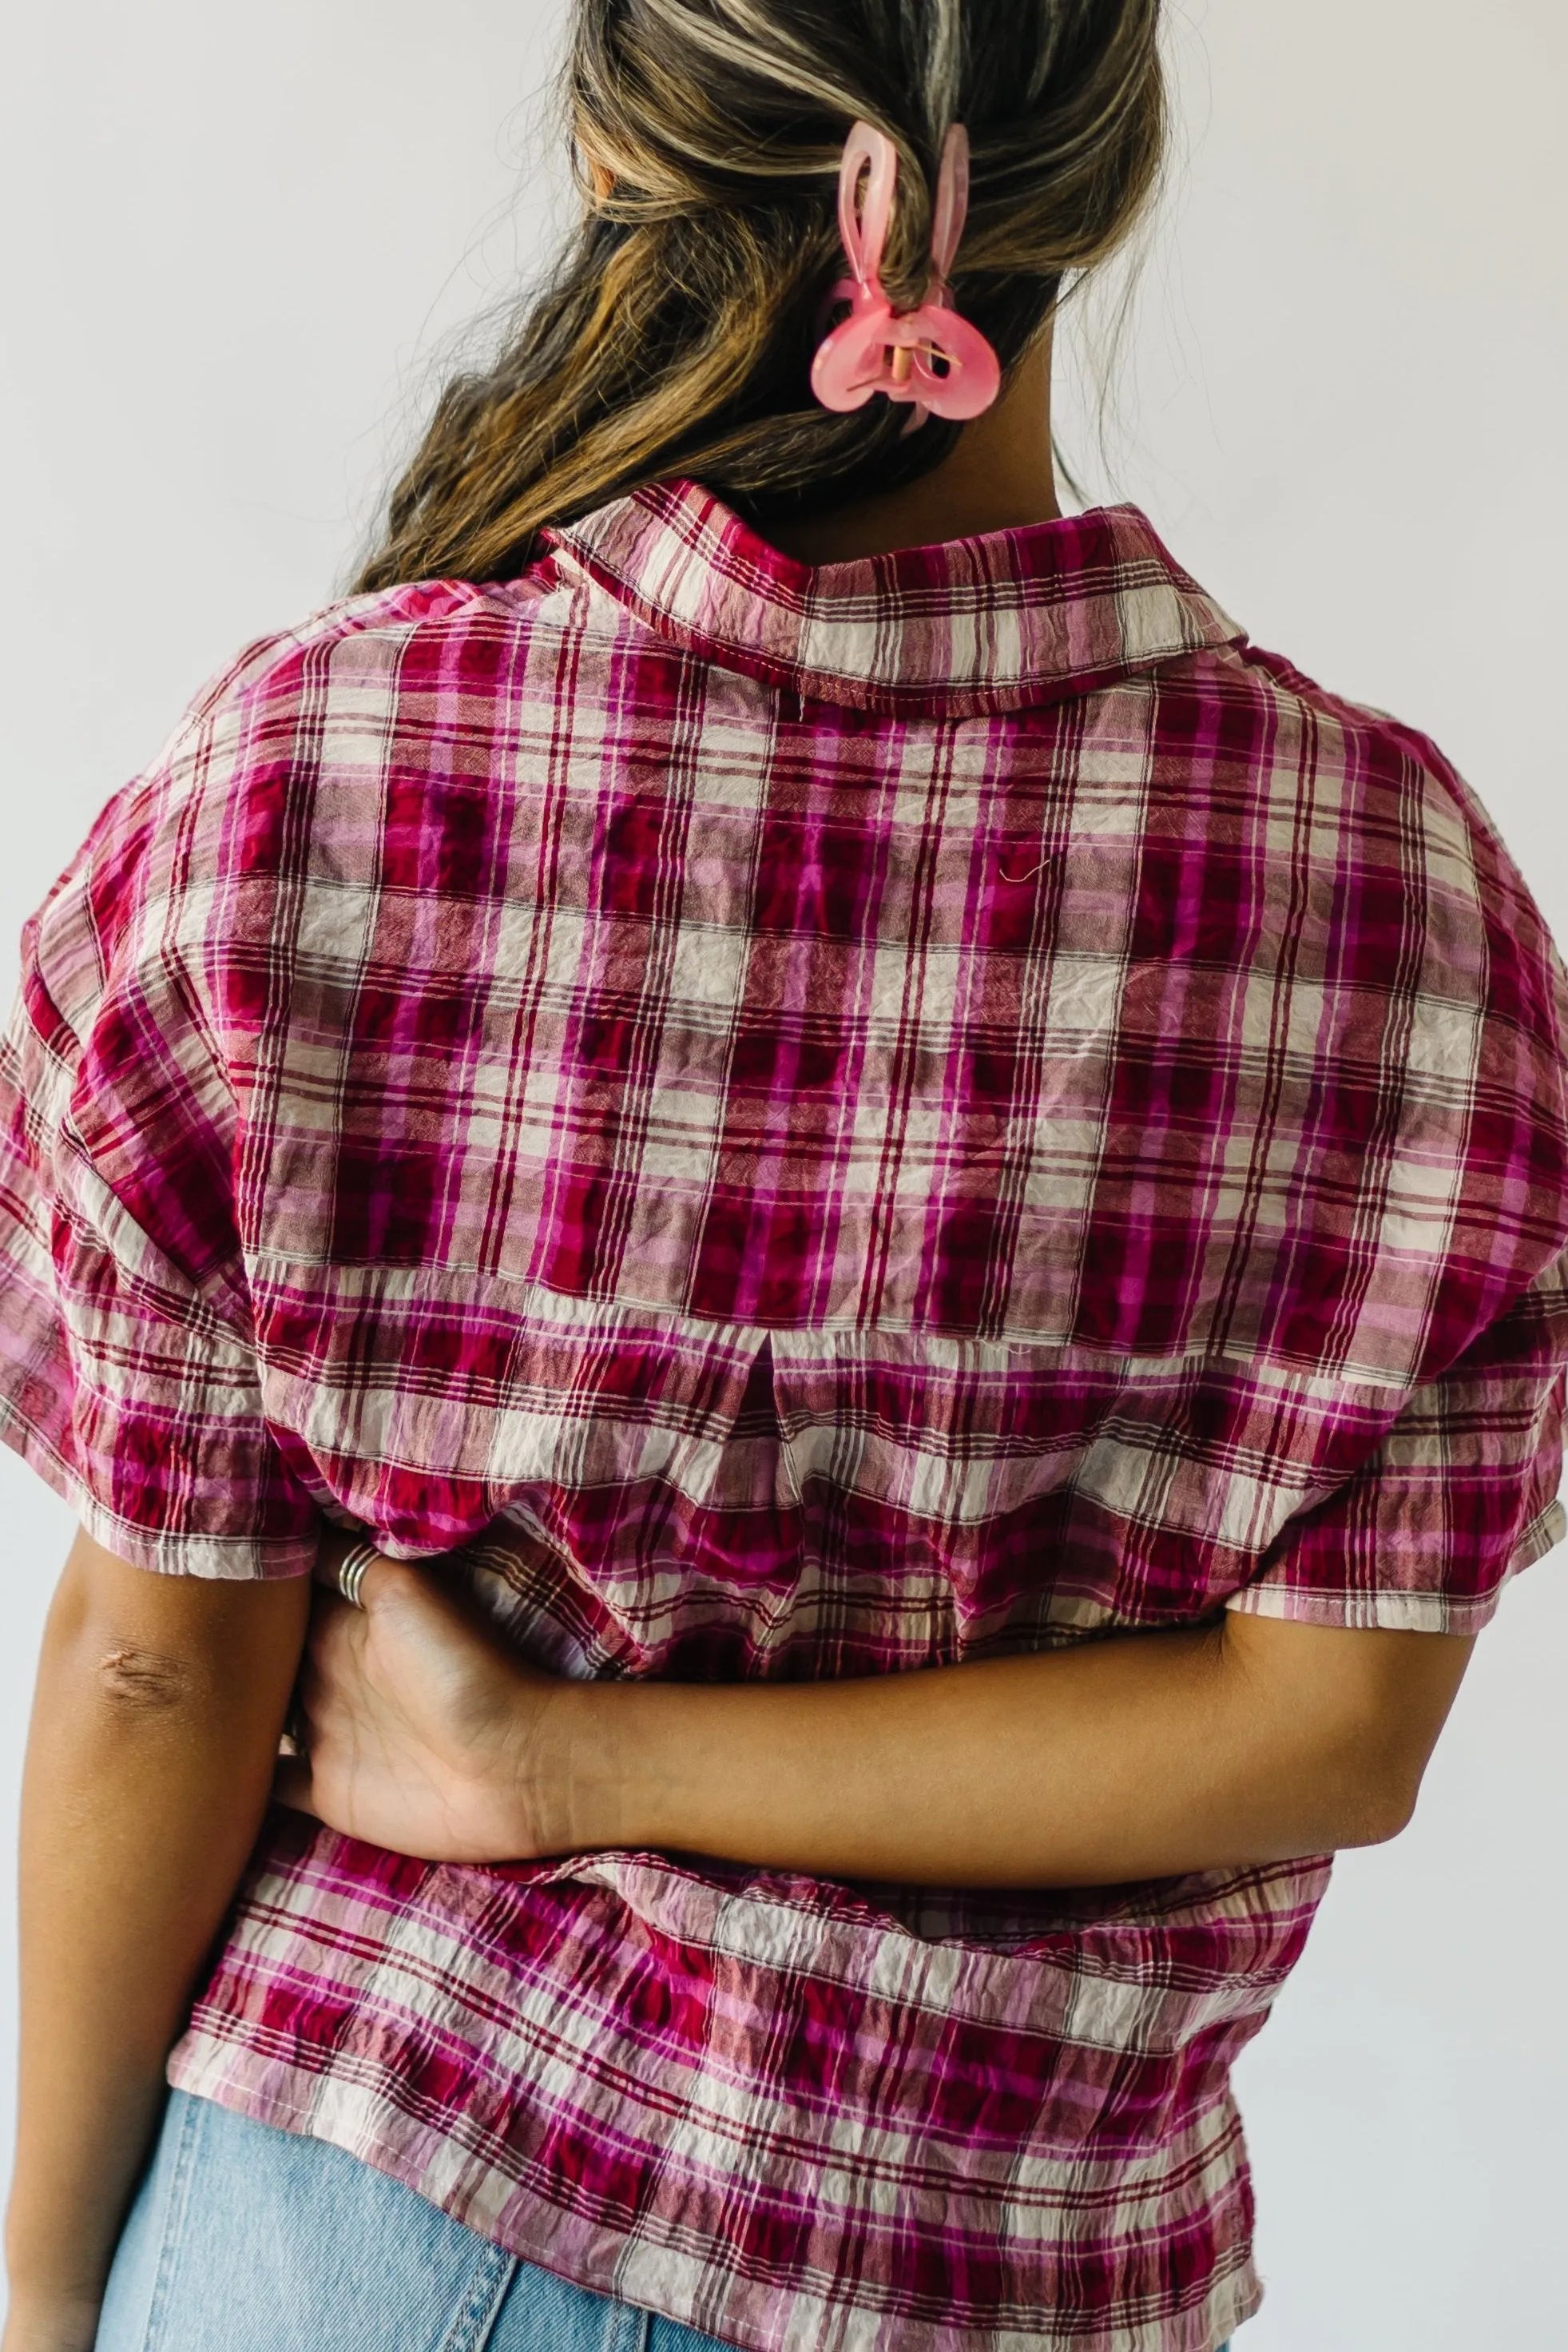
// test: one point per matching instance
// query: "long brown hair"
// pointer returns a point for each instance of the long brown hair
(676, 332)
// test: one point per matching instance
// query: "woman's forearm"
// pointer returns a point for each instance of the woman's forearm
(1142, 1755)
(148, 1763)
(1138, 1755)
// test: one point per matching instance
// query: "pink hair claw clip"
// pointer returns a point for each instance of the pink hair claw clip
(931, 357)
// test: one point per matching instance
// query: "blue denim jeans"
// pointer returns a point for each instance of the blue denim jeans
(243, 2238)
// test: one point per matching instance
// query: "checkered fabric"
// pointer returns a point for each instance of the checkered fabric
(849, 1120)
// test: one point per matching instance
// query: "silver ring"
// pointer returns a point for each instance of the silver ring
(351, 1572)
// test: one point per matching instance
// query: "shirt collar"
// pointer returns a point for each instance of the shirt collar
(1011, 617)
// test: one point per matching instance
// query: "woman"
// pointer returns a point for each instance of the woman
(939, 1189)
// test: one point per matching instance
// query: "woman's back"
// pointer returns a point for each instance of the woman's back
(890, 1159)
(836, 1121)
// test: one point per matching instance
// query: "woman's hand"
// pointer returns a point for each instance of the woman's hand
(425, 1732)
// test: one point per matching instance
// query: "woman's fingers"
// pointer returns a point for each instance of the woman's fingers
(370, 1577)
(340, 1547)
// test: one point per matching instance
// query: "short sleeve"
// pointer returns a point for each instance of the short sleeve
(129, 1377)
(1459, 1496)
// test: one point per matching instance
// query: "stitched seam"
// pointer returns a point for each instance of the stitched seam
(492, 2274)
(629, 2329)
(193, 2116)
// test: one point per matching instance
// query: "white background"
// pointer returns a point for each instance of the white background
(231, 246)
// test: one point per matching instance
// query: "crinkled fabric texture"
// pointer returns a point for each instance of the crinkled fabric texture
(852, 1119)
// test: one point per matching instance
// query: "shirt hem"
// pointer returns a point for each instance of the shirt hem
(1404, 1612)
(662, 2279)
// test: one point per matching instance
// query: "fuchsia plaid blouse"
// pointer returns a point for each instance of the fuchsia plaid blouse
(861, 1118)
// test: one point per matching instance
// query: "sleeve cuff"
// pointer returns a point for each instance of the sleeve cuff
(1394, 1612)
(220, 1559)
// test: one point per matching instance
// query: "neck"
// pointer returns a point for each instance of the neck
(999, 477)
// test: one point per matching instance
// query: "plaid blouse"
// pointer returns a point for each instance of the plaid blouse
(848, 1120)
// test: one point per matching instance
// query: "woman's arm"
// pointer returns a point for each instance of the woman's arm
(155, 1729)
(1246, 1741)
(1143, 1756)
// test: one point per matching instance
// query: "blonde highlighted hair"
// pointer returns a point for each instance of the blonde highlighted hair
(675, 335)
